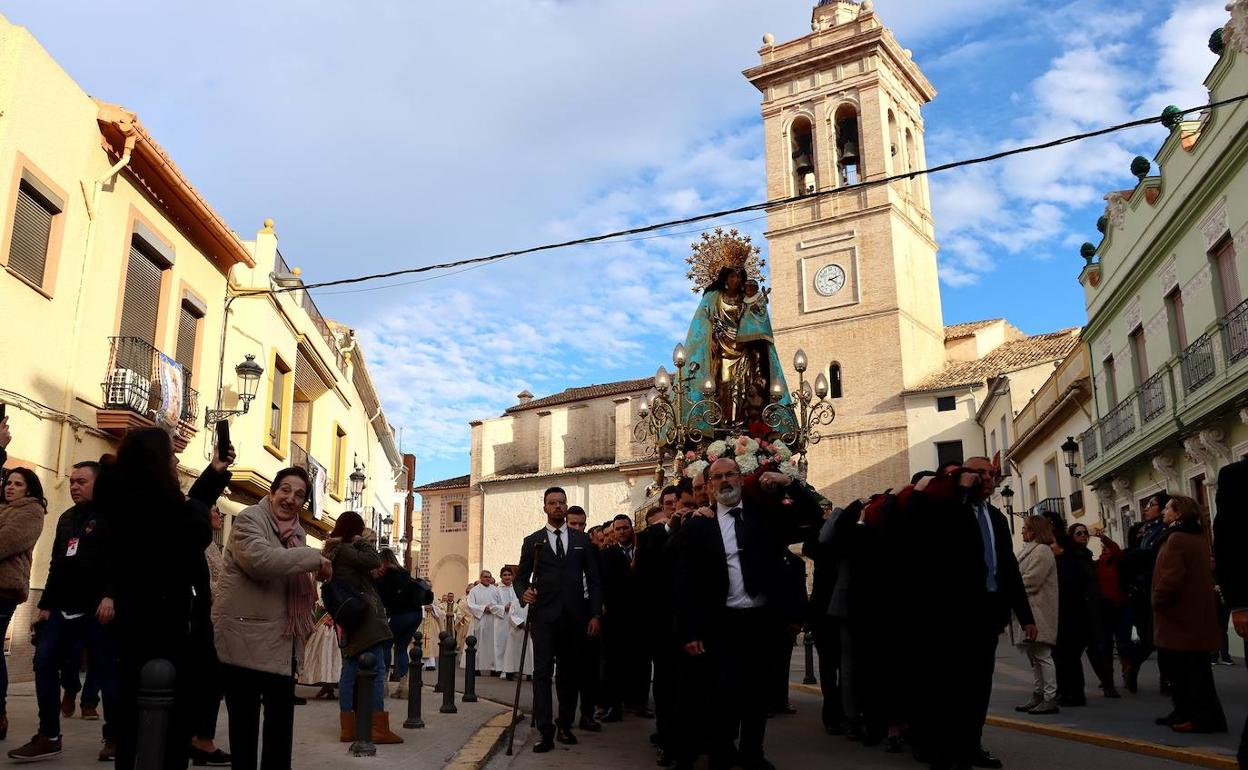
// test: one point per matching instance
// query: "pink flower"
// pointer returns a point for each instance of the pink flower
(712, 456)
(690, 456)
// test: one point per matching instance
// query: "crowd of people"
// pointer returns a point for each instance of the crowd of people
(136, 576)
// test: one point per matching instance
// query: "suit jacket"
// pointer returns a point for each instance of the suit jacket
(1230, 534)
(560, 584)
(621, 592)
(952, 575)
(702, 566)
(655, 578)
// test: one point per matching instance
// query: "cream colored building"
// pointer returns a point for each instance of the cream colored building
(113, 276)
(1167, 329)
(444, 535)
(580, 439)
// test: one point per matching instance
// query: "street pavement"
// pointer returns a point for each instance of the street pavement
(316, 733)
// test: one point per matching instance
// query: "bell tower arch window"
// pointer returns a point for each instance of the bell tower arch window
(848, 144)
(894, 144)
(802, 150)
(912, 163)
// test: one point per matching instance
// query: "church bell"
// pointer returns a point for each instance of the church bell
(802, 164)
(849, 154)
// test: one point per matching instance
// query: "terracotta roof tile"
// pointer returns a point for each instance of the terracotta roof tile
(572, 395)
(970, 327)
(1008, 357)
(458, 481)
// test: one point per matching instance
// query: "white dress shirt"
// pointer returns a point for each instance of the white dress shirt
(737, 597)
(551, 537)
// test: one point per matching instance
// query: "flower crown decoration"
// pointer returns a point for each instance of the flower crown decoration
(753, 455)
(719, 250)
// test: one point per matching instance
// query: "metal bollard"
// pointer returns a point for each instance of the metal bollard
(155, 705)
(437, 680)
(415, 683)
(446, 675)
(809, 642)
(365, 676)
(470, 670)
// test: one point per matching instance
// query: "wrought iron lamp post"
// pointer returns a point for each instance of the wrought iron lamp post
(798, 422)
(1070, 450)
(248, 383)
(357, 479)
(670, 418)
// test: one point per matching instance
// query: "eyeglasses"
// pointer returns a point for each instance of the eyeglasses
(1081, 533)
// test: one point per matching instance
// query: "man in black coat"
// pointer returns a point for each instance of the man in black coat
(730, 579)
(655, 576)
(628, 668)
(969, 581)
(557, 568)
(1230, 541)
(591, 646)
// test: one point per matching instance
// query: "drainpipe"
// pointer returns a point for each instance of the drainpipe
(91, 200)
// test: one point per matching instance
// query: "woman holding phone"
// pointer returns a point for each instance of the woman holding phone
(22, 508)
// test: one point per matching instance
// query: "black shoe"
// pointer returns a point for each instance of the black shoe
(983, 758)
(612, 715)
(564, 735)
(543, 746)
(201, 758)
(591, 724)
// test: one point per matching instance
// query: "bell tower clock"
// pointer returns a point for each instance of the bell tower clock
(853, 273)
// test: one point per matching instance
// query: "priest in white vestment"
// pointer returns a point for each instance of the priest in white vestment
(483, 603)
(431, 627)
(516, 617)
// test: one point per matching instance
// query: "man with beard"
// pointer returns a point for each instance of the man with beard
(730, 576)
(557, 569)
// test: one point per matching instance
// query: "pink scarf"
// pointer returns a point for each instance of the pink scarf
(300, 595)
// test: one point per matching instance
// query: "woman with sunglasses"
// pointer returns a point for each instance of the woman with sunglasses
(1100, 656)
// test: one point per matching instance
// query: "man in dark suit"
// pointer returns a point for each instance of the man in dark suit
(970, 583)
(591, 646)
(1230, 542)
(656, 577)
(557, 570)
(730, 579)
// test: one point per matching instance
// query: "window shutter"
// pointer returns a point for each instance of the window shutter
(32, 229)
(142, 299)
(188, 325)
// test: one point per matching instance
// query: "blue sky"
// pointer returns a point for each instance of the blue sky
(387, 133)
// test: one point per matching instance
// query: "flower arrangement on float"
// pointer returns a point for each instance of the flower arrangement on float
(753, 455)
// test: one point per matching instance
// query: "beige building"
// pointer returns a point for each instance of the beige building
(580, 439)
(1167, 329)
(444, 535)
(113, 270)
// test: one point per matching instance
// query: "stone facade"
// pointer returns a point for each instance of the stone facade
(444, 535)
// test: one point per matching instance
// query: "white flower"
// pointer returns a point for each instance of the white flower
(717, 449)
(749, 448)
(788, 469)
(693, 469)
(747, 463)
(782, 450)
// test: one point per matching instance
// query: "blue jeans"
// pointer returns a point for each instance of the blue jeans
(56, 639)
(346, 682)
(71, 679)
(7, 606)
(403, 625)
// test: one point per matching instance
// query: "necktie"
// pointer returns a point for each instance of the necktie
(990, 553)
(747, 572)
(559, 543)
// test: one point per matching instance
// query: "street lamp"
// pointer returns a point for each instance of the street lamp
(1071, 450)
(798, 422)
(387, 524)
(1007, 497)
(248, 373)
(357, 479)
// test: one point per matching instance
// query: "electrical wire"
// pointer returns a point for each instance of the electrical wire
(752, 207)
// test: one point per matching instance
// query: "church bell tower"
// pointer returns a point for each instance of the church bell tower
(853, 273)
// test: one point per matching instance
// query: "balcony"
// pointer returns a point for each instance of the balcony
(1235, 333)
(1152, 397)
(144, 387)
(1049, 505)
(1197, 363)
(1076, 501)
(1088, 443)
(1118, 424)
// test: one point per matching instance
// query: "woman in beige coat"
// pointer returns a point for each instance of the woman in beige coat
(22, 510)
(261, 617)
(1039, 569)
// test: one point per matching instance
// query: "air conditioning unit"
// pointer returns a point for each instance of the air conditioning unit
(129, 389)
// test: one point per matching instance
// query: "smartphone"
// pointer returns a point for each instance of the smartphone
(223, 438)
(2, 407)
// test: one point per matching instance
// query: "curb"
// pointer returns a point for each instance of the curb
(1145, 748)
(482, 745)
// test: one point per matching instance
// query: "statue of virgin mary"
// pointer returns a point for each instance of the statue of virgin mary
(731, 352)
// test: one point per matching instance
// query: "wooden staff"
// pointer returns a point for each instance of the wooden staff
(524, 648)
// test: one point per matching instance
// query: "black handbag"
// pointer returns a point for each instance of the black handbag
(344, 603)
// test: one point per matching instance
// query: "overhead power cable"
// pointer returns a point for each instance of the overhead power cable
(1169, 116)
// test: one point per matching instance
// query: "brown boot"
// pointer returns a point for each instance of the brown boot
(381, 729)
(346, 728)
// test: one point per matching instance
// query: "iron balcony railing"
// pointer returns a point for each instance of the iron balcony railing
(1050, 505)
(309, 307)
(298, 456)
(1118, 424)
(1197, 363)
(1076, 500)
(1235, 333)
(1152, 397)
(137, 378)
(1088, 443)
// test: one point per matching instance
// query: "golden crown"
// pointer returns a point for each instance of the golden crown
(721, 249)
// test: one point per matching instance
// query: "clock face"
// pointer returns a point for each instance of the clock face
(830, 279)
